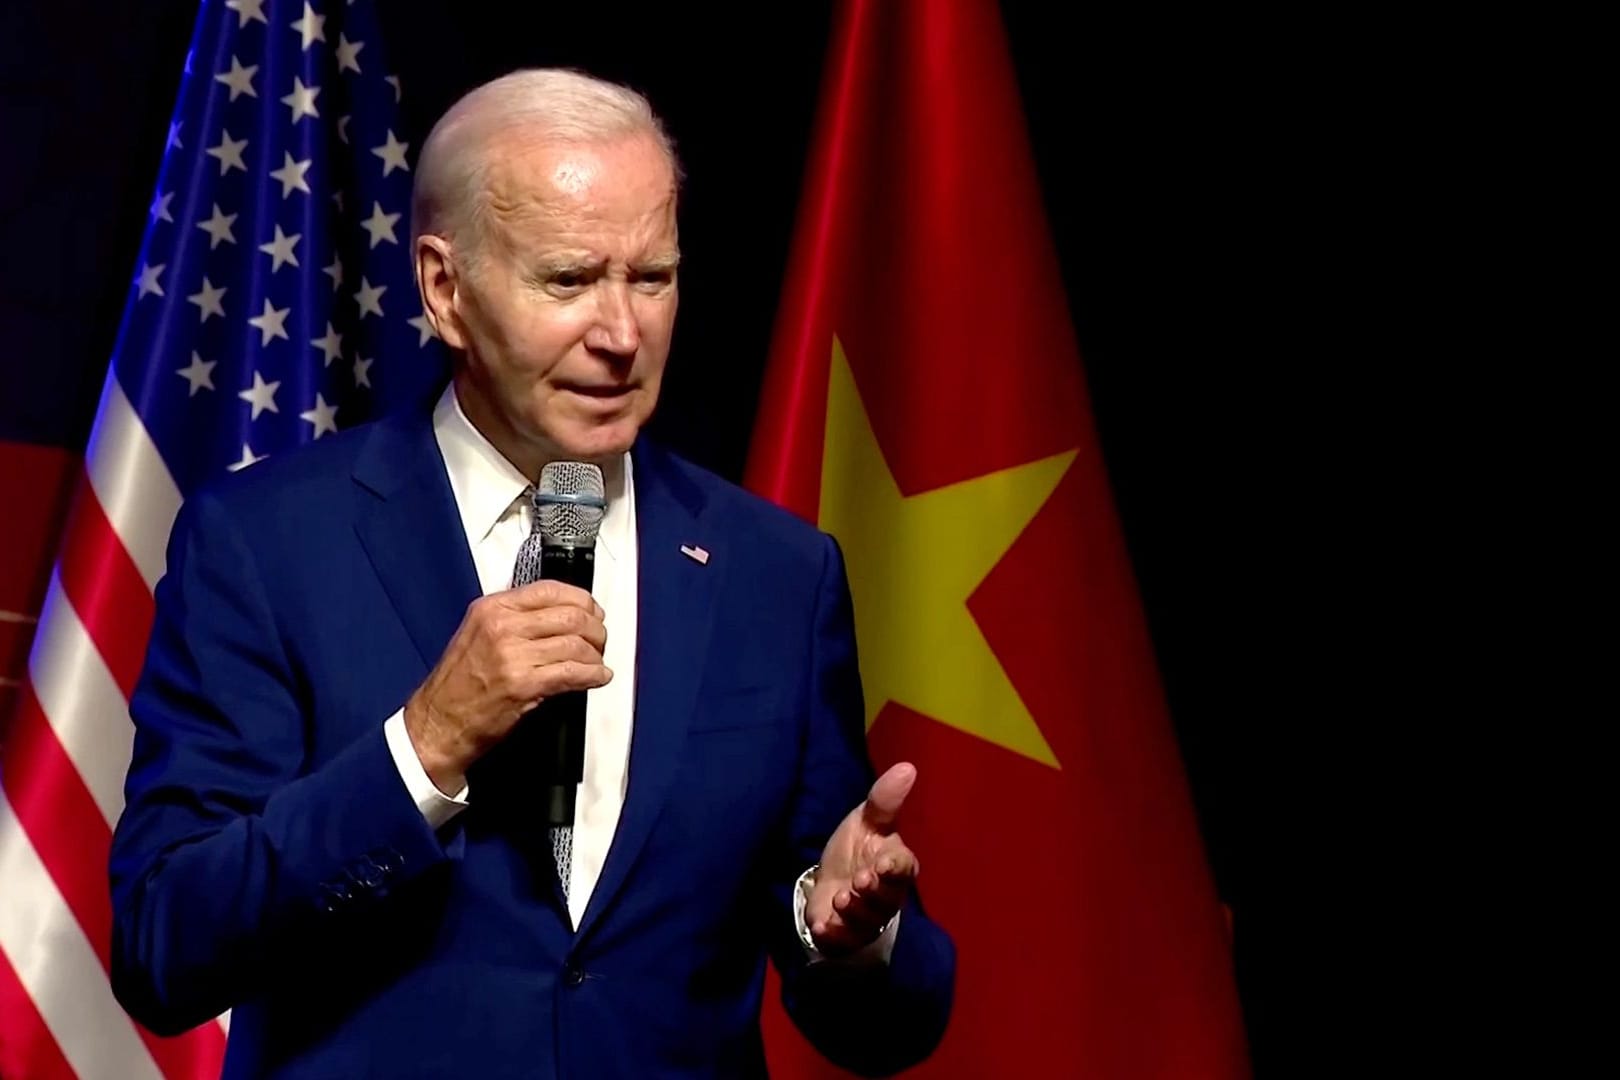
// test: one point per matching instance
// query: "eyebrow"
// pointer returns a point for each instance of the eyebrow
(559, 263)
(667, 261)
(585, 264)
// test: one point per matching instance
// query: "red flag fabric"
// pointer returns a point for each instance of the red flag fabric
(926, 405)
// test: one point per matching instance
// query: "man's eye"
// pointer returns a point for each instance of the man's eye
(654, 278)
(569, 279)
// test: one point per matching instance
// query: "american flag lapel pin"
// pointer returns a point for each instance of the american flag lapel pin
(696, 554)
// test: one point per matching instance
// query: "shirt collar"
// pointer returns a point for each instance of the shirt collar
(486, 484)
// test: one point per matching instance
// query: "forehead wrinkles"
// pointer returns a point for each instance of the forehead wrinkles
(518, 199)
(538, 194)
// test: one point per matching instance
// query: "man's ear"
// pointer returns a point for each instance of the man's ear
(438, 282)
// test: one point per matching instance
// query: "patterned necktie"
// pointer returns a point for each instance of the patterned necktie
(524, 571)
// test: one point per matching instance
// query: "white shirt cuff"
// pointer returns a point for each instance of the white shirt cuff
(877, 952)
(436, 806)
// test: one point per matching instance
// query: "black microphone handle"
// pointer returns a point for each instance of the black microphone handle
(558, 723)
(531, 778)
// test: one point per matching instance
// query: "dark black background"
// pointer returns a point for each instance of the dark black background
(1216, 188)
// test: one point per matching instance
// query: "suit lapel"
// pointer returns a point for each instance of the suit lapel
(412, 533)
(674, 613)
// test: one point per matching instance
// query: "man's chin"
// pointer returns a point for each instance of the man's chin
(595, 442)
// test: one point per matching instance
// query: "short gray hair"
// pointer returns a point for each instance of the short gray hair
(448, 197)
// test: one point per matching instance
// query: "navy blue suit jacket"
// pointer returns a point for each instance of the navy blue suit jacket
(270, 860)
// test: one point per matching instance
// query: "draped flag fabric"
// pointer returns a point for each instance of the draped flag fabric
(926, 405)
(272, 304)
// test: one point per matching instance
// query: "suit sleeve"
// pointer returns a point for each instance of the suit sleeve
(871, 1019)
(235, 861)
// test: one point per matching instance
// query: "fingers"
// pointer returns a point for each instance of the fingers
(854, 921)
(546, 667)
(547, 593)
(560, 678)
(884, 880)
(538, 641)
(498, 620)
(851, 914)
(887, 870)
(888, 882)
(883, 802)
(513, 650)
(559, 621)
(553, 650)
(865, 913)
(834, 932)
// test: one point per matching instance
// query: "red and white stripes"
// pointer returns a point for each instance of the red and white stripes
(66, 749)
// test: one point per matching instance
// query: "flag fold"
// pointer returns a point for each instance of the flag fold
(925, 404)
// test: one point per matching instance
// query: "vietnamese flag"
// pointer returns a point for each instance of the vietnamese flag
(925, 404)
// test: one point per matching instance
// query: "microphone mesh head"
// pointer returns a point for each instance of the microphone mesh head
(569, 503)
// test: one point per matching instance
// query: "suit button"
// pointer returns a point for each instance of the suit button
(333, 897)
(367, 875)
(573, 975)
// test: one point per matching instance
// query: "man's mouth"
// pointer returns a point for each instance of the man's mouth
(613, 390)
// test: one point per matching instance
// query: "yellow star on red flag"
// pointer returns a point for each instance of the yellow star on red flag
(913, 562)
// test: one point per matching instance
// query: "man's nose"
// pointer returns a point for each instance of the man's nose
(615, 330)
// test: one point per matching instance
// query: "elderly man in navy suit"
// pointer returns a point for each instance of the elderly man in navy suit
(316, 837)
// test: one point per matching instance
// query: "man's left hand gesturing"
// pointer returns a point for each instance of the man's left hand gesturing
(866, 870)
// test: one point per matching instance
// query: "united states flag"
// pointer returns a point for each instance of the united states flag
(272, 304)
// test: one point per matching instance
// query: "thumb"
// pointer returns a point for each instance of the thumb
(883, 802)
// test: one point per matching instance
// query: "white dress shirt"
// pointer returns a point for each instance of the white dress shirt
(489, 492)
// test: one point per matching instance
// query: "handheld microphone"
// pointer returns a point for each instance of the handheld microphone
(569, 503)
(543, 757)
